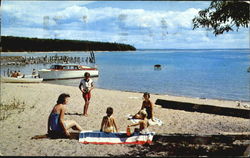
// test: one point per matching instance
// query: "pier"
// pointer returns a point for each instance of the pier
(23, 60)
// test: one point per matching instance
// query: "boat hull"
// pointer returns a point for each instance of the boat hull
(48, 74)
(20, 80)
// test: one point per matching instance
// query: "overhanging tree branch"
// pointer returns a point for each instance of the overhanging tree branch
(223, 16)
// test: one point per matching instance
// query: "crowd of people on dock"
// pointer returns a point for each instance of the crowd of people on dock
(57, 124)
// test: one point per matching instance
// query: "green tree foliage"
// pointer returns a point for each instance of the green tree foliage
(18, 44)
(223, 16)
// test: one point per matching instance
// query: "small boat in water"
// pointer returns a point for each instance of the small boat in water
(21, 79)
(157, 67)
(66, 71)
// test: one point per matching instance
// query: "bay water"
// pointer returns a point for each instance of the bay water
(205, 73)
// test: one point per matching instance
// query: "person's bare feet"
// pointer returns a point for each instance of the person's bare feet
(85, 115)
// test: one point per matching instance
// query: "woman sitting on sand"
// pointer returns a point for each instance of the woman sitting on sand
(56, 122)
(146, 105)
(143, 124)
(108, 122)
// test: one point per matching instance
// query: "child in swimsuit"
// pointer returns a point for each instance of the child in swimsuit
(86, 86)
(108, 122)
(143, 124)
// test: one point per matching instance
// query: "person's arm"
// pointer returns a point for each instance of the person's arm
(102, 124)
(142, 106)
(80, 87)
(48, 131)
(62, 112)
(115, 125)
(92, 86)
(135, 124)
(152, 110)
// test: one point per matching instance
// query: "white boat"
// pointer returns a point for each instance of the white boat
(66, 71)
(19, 79)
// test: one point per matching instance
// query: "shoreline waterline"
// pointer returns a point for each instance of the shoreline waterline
(170, 97)
(163, 94)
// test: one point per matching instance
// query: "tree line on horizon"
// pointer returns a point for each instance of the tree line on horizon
(20, 44)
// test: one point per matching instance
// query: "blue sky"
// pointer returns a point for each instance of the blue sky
(143, 24)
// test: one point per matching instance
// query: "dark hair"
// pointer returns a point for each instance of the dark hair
(86, 74)
(109, 111)
(146, 93)
(61, 98)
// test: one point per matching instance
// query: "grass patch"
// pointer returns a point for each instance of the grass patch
(7, 109)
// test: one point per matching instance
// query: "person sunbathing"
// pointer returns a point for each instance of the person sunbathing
(108, 122)
(146, 105)
(56, 122)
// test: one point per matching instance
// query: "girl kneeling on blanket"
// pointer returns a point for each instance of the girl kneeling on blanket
(108, 122)
(143, 124)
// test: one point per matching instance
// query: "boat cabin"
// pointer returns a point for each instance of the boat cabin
(65, 67)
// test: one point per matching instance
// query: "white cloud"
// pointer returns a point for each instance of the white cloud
(139, 27)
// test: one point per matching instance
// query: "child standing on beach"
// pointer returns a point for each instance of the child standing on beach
(86, 86)
(108, 122)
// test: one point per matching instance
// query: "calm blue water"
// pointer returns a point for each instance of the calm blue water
(220, 74)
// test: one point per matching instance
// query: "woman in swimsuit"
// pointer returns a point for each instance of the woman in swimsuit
(56, 122)
(146, 105)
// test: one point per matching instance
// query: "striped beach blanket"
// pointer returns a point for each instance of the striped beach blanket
(151, 123)
(97, 137)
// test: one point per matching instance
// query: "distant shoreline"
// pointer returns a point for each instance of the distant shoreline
(62, 51)
(23, 44)
(176, 49)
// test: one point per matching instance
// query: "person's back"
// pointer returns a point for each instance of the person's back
(54, 118)
(108, 122)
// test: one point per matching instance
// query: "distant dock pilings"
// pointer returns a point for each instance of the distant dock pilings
(23, 60)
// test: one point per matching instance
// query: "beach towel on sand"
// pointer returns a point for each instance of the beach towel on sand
(151, 123)
(97, 137)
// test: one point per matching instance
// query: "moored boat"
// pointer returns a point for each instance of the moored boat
(66, 71)
(24, 79)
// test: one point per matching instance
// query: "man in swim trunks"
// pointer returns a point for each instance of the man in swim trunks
(86, 86)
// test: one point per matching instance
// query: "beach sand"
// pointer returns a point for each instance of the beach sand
(18, 129)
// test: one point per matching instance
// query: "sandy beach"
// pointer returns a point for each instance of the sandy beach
(18, 129)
